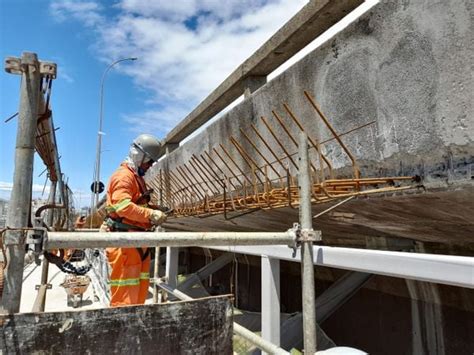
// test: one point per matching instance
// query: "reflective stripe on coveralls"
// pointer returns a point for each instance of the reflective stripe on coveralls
(118, 206)
(124, 282)
(123, 191)
(130, 278)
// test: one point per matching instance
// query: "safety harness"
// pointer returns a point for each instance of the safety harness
(116, 225)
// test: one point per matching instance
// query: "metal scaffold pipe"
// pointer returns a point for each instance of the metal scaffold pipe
(307, 267)
(61, 240)
(19, 211)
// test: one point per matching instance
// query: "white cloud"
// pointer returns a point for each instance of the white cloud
(65, 76)
(85, 11)
(7, 187)
(149, 120)
(185, 48)
(81, 197)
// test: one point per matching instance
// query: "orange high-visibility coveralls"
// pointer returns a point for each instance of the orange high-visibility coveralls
(130, 275)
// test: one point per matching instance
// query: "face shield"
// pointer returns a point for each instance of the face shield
(135, 160)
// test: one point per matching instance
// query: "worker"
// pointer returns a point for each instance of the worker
(129, 278)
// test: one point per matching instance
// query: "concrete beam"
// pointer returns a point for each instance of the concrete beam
(253, 83)
(311, 21)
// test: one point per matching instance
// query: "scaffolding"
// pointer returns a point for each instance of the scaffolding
(298, 242)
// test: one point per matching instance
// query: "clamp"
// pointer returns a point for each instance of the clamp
(14, 65)
(303, 235)
(36, 237)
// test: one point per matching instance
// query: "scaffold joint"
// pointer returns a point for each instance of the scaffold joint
(309, 235)
(14, 65)
(303, 235)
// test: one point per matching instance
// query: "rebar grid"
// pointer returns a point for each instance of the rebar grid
(229, 179)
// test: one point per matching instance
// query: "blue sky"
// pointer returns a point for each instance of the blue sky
(185, 50)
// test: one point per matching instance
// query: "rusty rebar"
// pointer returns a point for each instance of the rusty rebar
(333, 131)
(216, 177)
(258, 151)
(201, 169)
(233, 161)
(282, 124)
(227, 165)
(252, 164)
(189, 182)
(268, 146)
(279, 143)
(314, 143)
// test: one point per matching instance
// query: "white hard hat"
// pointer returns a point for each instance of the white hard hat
(149, 145)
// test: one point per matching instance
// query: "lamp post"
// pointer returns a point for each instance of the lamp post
(95, 200)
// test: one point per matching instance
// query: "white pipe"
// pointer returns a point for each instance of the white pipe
(79, 240)
(444, 269)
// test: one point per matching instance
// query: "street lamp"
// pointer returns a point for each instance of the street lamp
(100, 133)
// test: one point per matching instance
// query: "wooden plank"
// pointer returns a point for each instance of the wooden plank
(201, 326)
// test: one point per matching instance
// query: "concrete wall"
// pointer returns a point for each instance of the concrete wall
(407, 65)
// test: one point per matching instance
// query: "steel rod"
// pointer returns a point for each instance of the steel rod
(268, 146)
(313, 143)
(198, 170)
(227, 166)
(218, 168)
(211, 171)
(288, 133)
(333, 131)
(259, 152)
(63, 240)
(247, 158)
(333, 207)
(236, 165)
(278, 141)
(307, 267)
(193, 185)
(207, 173)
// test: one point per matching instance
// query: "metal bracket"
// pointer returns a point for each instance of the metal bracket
(295, 230)
(48, 68)
(303, 235)
(36, 237)
(309, 235)
(48, 287)
(14, 65)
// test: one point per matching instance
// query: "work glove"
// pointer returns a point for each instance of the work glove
(157, 217)
(104, 227)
